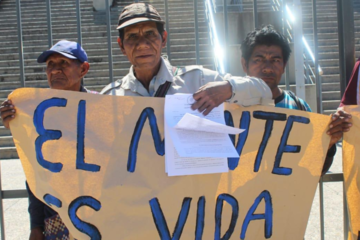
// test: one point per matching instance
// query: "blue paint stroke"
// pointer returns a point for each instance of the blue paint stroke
(270, 117)
(283, 147)
(160, 221)
(267, 216)
(80, 147)
(200, 218)
(46, 135)
(84, 227)
(51, 200)
(218, 215)
(159, 144)
(244, 124)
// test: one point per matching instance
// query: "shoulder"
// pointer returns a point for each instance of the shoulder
(84, 89)
(177, 71)
(112, 86)
(296, 102)
(307, 107)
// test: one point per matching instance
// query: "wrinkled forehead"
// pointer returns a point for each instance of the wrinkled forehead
(140, 26)
(267, 51)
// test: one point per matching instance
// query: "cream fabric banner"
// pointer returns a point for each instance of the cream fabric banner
(98, 161)
(351, 166)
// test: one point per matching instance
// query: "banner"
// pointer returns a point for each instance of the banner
(351, 166)
(99, 162)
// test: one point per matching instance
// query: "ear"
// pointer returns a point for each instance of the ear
(121, 45)
(244, 64)
(164, 39)
(85, 66)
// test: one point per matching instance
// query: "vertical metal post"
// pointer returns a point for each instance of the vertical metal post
(346, 35)
(226, 41)
(168, 30)
(287, 82)
(287, 71)
(20, 43)
(316, 55)
(78, 18)
(2, 210)
(298, 51)
(321, 195)
(196, 32)
(255, 14)
(49, 23)
(108, 29)
(346, 214)
(307, 66)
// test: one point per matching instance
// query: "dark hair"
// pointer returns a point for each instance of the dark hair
(159, 26)
(265, 36)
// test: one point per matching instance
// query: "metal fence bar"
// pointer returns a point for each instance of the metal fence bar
(346, 215)
(226, 41)
(2, 211)
(321, 195)
(196, 32)
(49, 23)
(316, 67)
(108, 29)
(20, 43)
(255, 14)
(78, 21)
(168, 52)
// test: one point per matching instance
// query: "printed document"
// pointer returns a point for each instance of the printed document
(196, 144)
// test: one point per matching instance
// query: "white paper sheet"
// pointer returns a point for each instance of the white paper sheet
(195, 123)
(195, 152)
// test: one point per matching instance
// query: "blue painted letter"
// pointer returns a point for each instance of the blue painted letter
(159, 145)
(268, 216)
(84, 227)
(160, 221)
(244, 124)
(80, 155)
(283, 147)
(51, 200)
(200, 222)
(269, 117)
(218, 214)
(45, 135)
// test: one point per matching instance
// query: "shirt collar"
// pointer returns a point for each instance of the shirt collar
(164, 74)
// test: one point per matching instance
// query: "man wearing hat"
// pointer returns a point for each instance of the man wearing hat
(141, 38)
(66, 64)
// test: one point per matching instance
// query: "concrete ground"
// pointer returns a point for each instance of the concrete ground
(17, 222)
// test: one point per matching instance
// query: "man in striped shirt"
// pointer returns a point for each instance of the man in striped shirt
(265, 53)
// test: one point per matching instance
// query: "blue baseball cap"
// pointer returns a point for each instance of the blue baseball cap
(68, 49)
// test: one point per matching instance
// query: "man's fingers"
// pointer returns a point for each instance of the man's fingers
(208, 110)
(198, 94)
(197, 104)
(346, 126)
(335, 129)
(7, 113)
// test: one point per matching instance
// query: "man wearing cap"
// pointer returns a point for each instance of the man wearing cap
(66, 65)
(141, 38)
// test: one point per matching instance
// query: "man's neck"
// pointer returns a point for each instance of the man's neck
(276, 92)
(146, 75)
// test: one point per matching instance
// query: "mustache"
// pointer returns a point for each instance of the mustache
(269, 75)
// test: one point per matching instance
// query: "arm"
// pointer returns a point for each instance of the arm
(340, 122)
(37, 216)
(243, 91)
(37, 234)
(7, 111)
